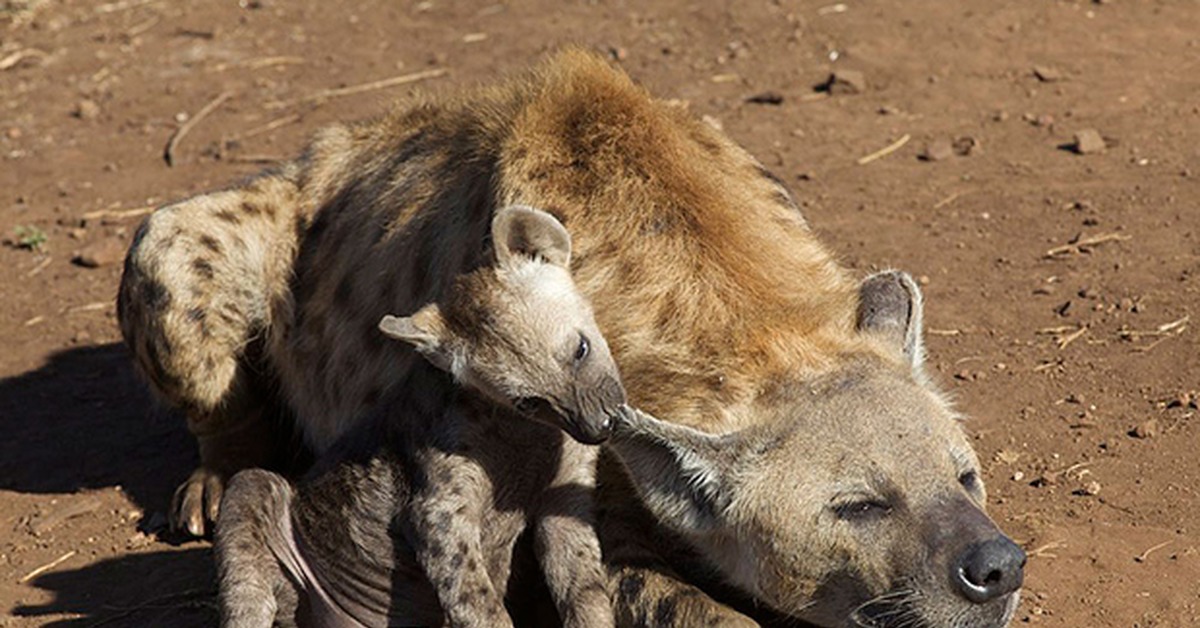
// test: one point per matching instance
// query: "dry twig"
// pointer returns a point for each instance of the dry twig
(47, 567)
(263, 128)
(13, 59)
(1044, 550)
(186, 127)
(885, 151)
(1141, 558)
(1079, 246)
(40, 267)
(104, 214)
(326, 94)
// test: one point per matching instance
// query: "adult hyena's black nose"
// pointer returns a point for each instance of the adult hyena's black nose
(989, 569)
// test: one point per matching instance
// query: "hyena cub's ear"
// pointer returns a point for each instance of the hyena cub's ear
(890, 307)
(425, 330)
(522, 233)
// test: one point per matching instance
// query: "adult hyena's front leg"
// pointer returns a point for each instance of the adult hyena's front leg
(655, 598)
(202, 280)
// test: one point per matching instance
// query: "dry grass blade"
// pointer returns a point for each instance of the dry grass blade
(885, 151)
(326, 94)
(1044, 551)
(1078, 247)
(186, 127)
(263, 128)
(1067, 339)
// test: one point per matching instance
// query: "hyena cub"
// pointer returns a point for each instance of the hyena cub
(411, 519)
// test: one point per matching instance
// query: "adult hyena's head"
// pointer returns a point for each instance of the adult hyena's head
(858, 502)
(520, 332)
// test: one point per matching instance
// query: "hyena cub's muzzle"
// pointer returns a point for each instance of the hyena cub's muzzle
(586, 412)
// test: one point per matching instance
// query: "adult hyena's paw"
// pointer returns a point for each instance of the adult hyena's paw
(197, 502)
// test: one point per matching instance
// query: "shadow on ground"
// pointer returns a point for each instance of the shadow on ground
(84, 420)
(161, 589)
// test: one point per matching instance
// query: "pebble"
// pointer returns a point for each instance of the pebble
(101, 253)
(86, 110)
(77, 233)
(1091, 488)
(846, 82)
(13, 133)
(1088, 142)
(1047, 74)
(937, 150)
(1145, 429)
(966, 145)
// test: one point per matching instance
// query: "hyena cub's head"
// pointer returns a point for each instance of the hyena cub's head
(856, 501)
(520, 332)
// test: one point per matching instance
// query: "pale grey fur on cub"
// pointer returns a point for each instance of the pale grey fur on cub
(411, 519)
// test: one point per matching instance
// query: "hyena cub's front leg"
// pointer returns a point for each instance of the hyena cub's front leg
(201, 280)
(253, 541)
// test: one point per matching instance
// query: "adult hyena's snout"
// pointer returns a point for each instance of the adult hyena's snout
(989, 569)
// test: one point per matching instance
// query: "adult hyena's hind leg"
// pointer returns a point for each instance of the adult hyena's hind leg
(254, 536)
(203, 282)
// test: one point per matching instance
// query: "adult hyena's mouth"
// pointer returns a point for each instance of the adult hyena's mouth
(903, 609)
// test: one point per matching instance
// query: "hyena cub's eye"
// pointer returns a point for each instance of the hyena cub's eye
(584, 348)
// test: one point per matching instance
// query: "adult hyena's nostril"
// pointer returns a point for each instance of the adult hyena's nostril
(989, 569)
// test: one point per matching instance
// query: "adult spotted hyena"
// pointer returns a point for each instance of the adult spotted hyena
(808, 469)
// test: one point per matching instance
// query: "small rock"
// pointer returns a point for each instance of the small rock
(1018, 476)
(77, 233)
(101, 253)
(139, 539)
(1047, 74)
(618, 53)
(1145, 429)
(766, 98)
(80, 337)
(999, 115)
(13, 133)
(1088, 142)
(1044, 121)
(966, 145)
(845, 82)
(86, 110)
(1091, 489)
(937, 150)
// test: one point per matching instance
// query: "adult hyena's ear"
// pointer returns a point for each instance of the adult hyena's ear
(425, 330)
(890, 307)
(522, 233)
(684, 476)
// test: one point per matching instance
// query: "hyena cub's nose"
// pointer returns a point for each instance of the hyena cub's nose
(990, 569)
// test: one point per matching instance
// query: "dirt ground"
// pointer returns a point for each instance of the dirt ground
(1059, 285)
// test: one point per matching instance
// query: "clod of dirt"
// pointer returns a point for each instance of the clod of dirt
(1088, 142)
(86, 110)
(1047, 74)
(937, 150)
(1145, 429)
(845, 82)
(101, 253)
(766, 98)
(966, 145)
